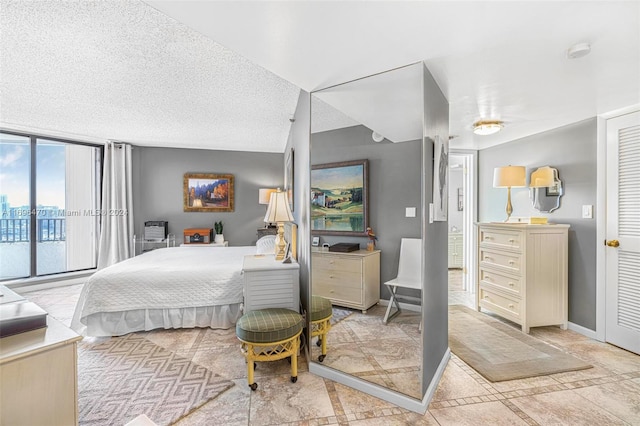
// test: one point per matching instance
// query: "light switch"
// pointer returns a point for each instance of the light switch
(410, 212)
(430, 212)
(587, 212)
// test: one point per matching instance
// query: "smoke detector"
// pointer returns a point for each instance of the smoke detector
(578, 50)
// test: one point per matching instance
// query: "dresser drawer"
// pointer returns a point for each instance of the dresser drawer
(336, 264)
(338, 293)
(503, 260)
(508, 307)
(501, 239)
(510, 284)
(336, 278)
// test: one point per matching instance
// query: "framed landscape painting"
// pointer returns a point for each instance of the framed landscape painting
(339, 198)
(207, 192)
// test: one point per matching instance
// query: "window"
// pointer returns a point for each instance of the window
(50, 195)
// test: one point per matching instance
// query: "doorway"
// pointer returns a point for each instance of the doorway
(462, 218)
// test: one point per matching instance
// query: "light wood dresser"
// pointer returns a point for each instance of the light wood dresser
(39, 383)
(347, 279)
(522, 273)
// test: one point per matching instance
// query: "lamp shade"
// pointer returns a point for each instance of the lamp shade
(542, 177)
(278, 210)
(509, 176)
(264, 195)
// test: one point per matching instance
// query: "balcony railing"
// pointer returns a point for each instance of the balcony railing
(17, 230)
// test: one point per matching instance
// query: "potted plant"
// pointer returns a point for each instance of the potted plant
(219, 238)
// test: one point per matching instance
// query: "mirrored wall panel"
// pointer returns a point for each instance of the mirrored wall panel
(366, 208)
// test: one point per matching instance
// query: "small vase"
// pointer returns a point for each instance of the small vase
(218, 239)
(371, 245)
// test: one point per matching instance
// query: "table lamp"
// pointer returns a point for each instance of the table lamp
(279, 212)
(509, 177)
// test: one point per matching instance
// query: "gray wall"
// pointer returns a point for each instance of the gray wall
(572, 150)
(435, 294)
(158, 189)
(394, 183)
(299, 141)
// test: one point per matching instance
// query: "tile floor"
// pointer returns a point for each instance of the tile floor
(608, 394)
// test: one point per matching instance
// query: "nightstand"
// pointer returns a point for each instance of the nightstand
(269, 283)
(225, 244)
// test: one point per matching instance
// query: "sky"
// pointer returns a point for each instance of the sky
(14, 171)
(342, 177)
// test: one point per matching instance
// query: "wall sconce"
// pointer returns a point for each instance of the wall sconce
(279, 211)
(509, 177)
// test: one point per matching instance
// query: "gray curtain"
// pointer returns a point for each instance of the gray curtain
(116, 231)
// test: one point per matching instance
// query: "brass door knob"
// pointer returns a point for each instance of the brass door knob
(613, 243)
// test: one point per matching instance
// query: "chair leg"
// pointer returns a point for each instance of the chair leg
(392, 301)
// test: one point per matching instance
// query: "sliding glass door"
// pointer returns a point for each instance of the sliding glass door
(50, 206)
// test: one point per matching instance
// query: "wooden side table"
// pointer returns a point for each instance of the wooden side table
(224, 244)
(39, 376)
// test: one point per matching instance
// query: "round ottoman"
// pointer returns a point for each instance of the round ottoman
(269, 335)
(321, 313)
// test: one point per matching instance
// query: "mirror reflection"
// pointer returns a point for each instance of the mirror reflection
(366, 160)
(546, 189)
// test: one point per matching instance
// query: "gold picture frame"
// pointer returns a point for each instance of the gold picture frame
(208, 192)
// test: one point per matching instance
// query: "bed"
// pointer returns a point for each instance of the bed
(181, 287)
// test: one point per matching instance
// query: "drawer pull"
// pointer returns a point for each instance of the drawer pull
(486, 297)
(511, 240)
(487, 277)
(511, 284)
(488, 237)
(511, 262)
(331, 276)
(488, 258)
(510, 305)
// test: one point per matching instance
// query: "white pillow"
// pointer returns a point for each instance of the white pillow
(266, 245)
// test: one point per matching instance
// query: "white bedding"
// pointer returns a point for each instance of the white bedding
(166, 288)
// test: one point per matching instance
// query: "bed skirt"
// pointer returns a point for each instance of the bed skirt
(120, 323)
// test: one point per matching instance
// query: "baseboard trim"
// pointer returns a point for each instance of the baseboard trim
(583, 330)
(399, 399)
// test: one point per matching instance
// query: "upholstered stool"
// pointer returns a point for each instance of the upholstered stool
(321, 313)
(269, 335)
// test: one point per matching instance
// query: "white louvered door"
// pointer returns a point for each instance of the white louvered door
(623, 225)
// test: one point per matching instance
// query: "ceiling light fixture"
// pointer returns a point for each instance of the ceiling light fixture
(578, 50)
(487, 127)
(377, 137)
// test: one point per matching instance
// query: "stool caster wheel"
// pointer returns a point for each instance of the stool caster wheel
(253, 386)
(319, 342)
(321, 358)
(294, 379)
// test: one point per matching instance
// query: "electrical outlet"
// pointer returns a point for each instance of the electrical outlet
(587, 212)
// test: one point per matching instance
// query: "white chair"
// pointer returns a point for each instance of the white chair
(409, 274)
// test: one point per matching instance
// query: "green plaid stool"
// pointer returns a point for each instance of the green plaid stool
(321, 313)
(269, 335)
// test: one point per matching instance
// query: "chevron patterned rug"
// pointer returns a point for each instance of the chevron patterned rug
(127, 376)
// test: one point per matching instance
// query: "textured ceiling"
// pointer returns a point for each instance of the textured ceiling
(122, 70)
(156, 72)
(502, 60)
